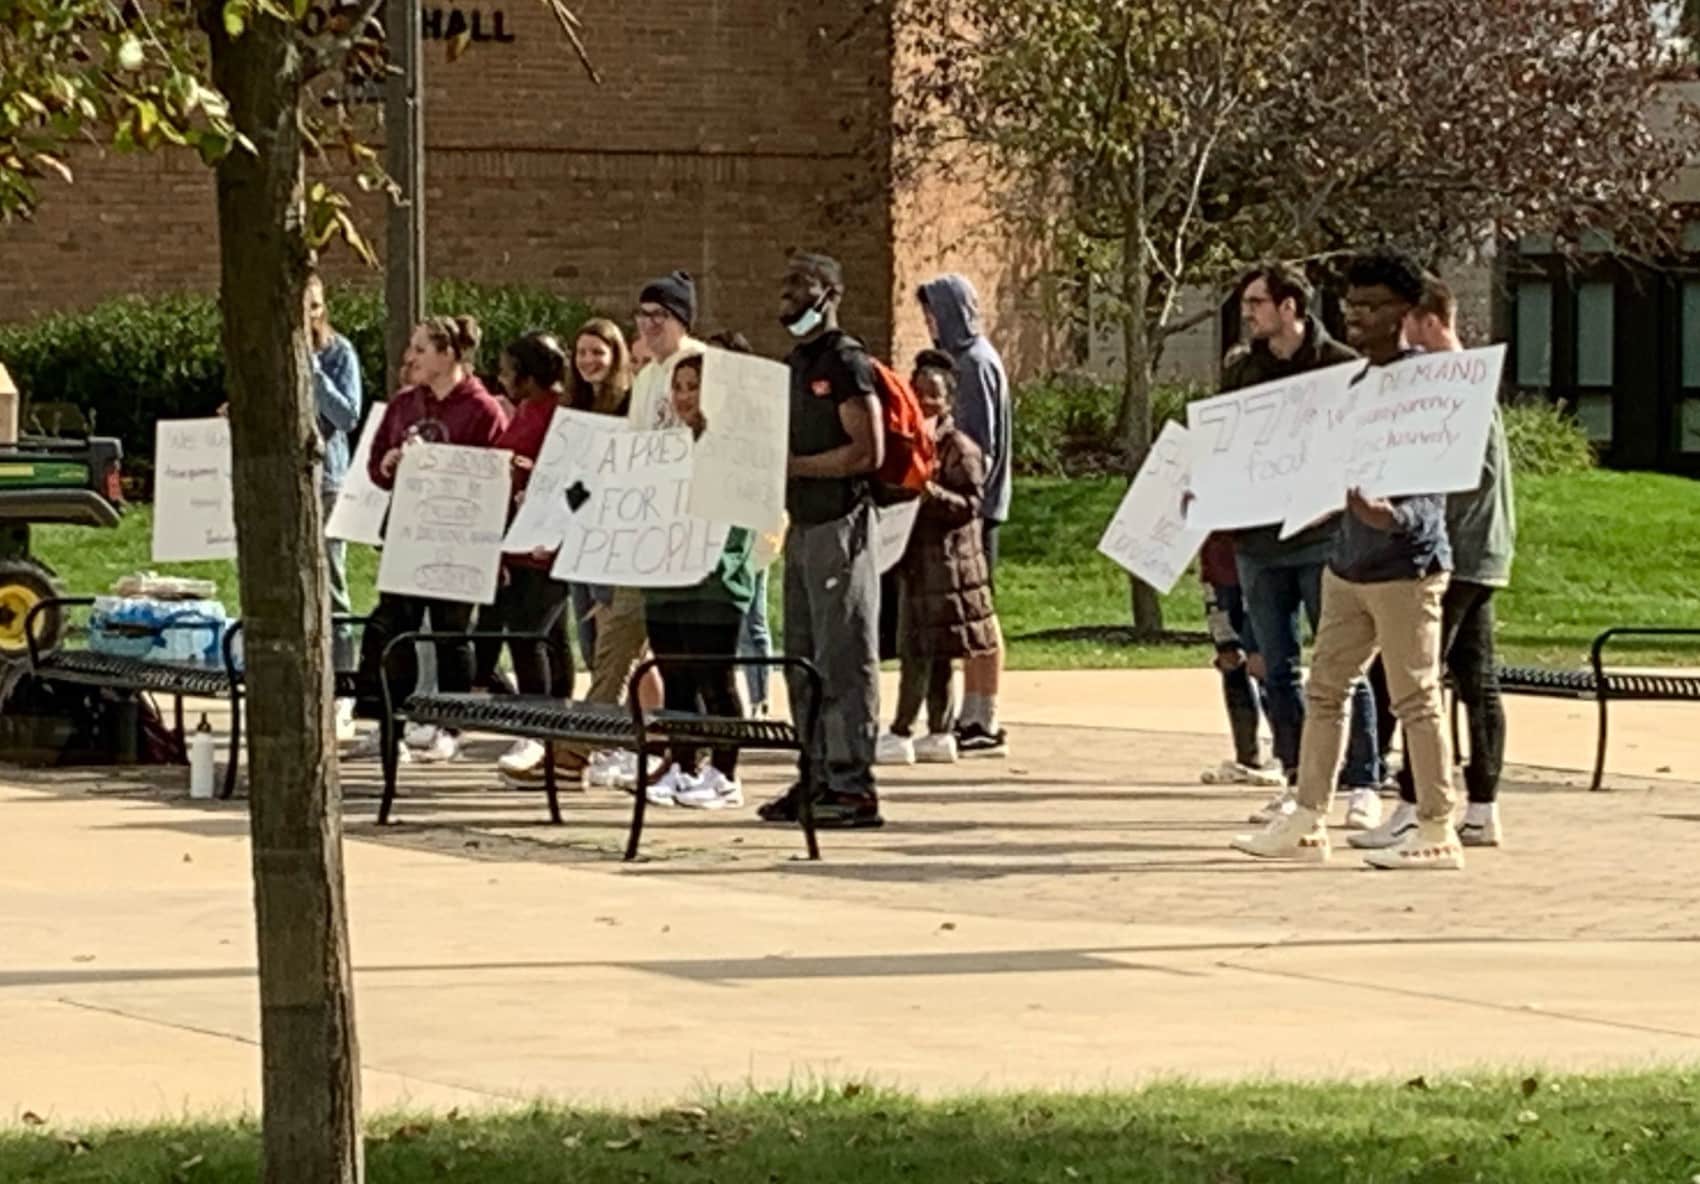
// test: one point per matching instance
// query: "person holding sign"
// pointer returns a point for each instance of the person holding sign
(667, 308)
(1280, 577)
(946, 609)
(1482, 528)
(831, 571)
(701, 621)
(447, 406)
(1383, 590)
(1246, 700)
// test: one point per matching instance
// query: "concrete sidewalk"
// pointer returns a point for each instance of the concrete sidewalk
(1070, 917)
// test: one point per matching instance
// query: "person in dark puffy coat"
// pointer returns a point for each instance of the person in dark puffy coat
(945, 610)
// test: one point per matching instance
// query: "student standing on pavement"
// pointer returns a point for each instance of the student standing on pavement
(831, 573)
(447, 406)
(983, 413)
(1280, 577)
(667, 308)
(1482, 528)
(1224, 613)
(1383, 590)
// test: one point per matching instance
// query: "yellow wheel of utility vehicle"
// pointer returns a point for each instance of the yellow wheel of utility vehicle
(23, 585)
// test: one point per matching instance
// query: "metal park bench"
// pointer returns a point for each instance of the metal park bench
(1605, 686)
(554, 721)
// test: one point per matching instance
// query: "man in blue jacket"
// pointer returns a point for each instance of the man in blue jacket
(983, 412)
(1383, 590)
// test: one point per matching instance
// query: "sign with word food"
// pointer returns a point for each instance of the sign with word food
(738, 474)
(575, 440)
(358, 516)
(1251, 448)
(893, 525)
(630, 523)
(1152, 534)
(192, 499)
(444, 538)
(1419, 425)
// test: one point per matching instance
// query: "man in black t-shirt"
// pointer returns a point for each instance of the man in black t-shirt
(831, 573)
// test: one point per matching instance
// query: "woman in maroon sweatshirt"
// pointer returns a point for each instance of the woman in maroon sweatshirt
(447, 405)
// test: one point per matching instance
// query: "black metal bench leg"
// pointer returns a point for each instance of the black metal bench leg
(391, 760)
(1600, 753)
(549, 786)
(640, 801)
(806, 804)
(229, 790)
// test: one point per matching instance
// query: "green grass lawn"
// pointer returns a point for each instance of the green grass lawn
(1623, 1130)
(1595, 550)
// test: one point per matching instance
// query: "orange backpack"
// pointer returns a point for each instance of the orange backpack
(911, 456)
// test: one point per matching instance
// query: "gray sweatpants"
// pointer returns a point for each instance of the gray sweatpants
(832, 612)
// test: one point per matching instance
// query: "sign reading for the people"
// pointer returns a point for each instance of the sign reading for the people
(358, 516)
(738, 474)
(192, 514)
(1419, 425)
(1151, 535)
(1251, 448)
(570, 450)
(444, 538)
(630, 523)
(893, 525)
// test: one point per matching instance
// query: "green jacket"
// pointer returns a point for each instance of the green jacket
(1483, 522)
(732, 582)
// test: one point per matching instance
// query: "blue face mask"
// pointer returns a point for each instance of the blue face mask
(808, 320)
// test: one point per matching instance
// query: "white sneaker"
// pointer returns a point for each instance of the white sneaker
(1281, 803)
(1390, 833)
(345, 729)
(1432, 845)
(370, 747)
(893, 749)
(420, 736)
(711, 791)
(599, 771)
(1363, 809)
(665, 792)
(1480, 827)
(1234, 773)
(523, 757)
(445, 747)
(1298, 834)
(623, 770)
(936, 748)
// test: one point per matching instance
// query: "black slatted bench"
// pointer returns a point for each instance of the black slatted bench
(602, 725)
(1605, 686)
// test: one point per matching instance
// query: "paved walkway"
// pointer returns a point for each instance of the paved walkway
(1070, 917)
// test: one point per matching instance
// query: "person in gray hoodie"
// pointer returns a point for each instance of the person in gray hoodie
(983, 413)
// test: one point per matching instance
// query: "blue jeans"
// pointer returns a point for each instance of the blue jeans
(1275, 590)
(755, 641)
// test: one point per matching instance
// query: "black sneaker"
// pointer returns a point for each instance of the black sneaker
(782, 808)
(848, 811)
(974, 740)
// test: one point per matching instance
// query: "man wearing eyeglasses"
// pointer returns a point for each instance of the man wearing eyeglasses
(667, 308)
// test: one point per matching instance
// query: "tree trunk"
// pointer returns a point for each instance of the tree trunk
(1134, 422)
(310, 1080)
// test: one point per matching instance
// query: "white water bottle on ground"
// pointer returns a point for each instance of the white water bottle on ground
(201, 772)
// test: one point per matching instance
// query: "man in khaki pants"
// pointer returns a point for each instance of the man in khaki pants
(1382, 591)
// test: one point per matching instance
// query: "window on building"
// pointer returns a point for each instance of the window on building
(1534, 335)
(1688, 407)
(1595, 334)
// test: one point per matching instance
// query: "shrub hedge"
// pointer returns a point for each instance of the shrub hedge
(130, 362)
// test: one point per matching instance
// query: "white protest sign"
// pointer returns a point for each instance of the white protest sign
(1419, 425)
(631, 524)
(358, 516)
(569, 451)
(893, 525)
(1149, 535)
(1250, 448)
(192, 515)
(444, 539)
(738, 474)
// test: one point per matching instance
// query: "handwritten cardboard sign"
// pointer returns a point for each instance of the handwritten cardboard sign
(1419, 425)
(1251, 448)
(739, 469)
(444, 539)
(893, 525)
(358, 516)
(631, 524)
(569, 453)
(192, 499)
(1150, 535)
